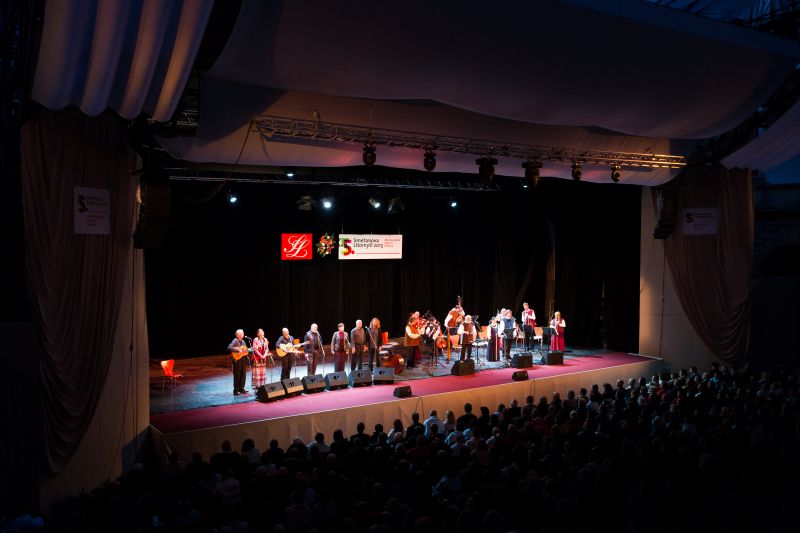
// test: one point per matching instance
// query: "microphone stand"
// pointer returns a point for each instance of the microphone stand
(322, 346)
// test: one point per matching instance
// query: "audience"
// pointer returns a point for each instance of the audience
(712, 451)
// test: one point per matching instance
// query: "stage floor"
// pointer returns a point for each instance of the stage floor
(205, 400)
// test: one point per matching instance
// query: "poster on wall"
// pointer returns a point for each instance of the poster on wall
(91, 211)
(352, 246)
(699, 221)
(296, 247)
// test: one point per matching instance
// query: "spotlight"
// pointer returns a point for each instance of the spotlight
(396, 205)
(289, 172)
(453, 202)
(368, 156)
(232, 198)
(374, 202)
(486, 170)
(615, 173)
(327, 203)
(531, 173)
(306, 203)
(429, 162)
(576, 171)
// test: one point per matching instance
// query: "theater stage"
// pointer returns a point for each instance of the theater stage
(204, 428)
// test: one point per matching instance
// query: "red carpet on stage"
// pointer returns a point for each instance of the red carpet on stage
(226, 415)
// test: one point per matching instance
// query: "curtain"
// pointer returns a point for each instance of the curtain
(712, 273)
(74, 281)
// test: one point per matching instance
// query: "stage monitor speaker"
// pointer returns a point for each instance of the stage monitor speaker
(520, 375)
(315, 383)
(153, 220)
(402, 392)
(360, 378)
(383, 375)
(336, 380)
(292, 386)
(522, 360)
(553, 358)
(270, 391)
(463, 368)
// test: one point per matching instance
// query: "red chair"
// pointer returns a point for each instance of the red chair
(168, 367)
(385, 337)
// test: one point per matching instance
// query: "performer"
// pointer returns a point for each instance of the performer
(468, 333)
(528, 323)
(340, 346)
(258, 375)
(557, 340)
(358, 336)
(509, 327)
(238, 349)
(412, 339)
(493, 353)
(286, 343)
(315, 352)
(454, 318)
(374, 340)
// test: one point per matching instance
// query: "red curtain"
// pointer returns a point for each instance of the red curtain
(74, 281)
(712, 273)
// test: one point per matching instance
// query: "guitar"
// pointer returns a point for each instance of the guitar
(240, 352)
(281, 350)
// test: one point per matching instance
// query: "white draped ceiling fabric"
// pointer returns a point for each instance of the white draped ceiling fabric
(623, 76)
(128, 56)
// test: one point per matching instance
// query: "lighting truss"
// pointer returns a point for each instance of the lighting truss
(271, 127)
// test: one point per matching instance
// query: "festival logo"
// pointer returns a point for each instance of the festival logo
(346, 247)
(296, 246)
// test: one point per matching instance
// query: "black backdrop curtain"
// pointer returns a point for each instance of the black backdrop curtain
(74, 281)
(220, 269)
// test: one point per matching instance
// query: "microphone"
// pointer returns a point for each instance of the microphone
(248, 338)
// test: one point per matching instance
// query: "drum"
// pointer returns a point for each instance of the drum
(395, 361)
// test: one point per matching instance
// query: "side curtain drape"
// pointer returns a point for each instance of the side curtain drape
(712, 273)
(74, 281)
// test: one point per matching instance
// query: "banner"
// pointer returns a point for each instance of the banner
(700, 221)
(92, 211)
(370, 246)
(296, 246)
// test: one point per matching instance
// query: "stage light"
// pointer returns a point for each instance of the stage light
(289, 172)
(374, 202)
(615, 173)
(232, 198)
(306, 203)
(429, 162)
(396, 205)
(577, 173)
(486, 170)
(368, 156)
(531, 173)
(327, 203)
(453, 202)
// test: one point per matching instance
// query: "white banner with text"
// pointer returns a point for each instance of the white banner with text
(370, 246)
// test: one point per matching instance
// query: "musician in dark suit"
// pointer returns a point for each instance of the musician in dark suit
(314, 350)
(287, 361)
(240, 365)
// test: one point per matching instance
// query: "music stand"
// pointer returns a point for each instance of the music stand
(538, 334)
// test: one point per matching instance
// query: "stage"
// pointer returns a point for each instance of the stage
(204, 427)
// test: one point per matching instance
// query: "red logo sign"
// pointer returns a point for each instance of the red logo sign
(295, 246)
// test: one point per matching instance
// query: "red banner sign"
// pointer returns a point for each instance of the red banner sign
(296, 246)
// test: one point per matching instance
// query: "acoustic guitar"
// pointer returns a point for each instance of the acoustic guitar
(240, 352)
(282, 350)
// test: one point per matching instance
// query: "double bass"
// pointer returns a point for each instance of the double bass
(454, 319)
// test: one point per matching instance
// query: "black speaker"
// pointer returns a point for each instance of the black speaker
(553, 358)
(522, 360)
(463, 368)
(315, 383)
(383, 375)
(153, 220)
(360, 378)
(520, 375)
(336, 380)
(666, 205)
(270, 391)
(402, 392)
(292, 386)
